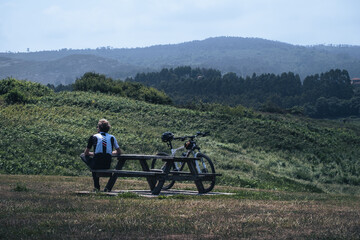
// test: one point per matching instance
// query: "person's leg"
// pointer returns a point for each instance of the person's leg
(90, 162)
(96, 182)
(100, 161)
(85, 159)
(95, 165)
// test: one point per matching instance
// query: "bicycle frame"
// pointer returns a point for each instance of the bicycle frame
(178, 165)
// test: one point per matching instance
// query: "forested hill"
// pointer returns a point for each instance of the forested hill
(328, 94)
(243, 56)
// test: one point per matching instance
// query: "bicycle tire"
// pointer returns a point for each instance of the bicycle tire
(206, 166)
(155, 165)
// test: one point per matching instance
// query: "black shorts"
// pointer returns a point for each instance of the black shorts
(99, 161)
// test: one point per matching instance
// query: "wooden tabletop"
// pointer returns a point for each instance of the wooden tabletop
(147, 157)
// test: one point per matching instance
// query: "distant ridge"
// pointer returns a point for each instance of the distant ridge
(244, 56)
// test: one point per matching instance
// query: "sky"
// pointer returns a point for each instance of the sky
(78, 24)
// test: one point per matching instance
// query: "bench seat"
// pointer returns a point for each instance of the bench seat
(109, 172)
(151, 173)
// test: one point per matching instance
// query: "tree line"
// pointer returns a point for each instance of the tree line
(95, 82)
(21, 91)
(328, 94)
(325, 95)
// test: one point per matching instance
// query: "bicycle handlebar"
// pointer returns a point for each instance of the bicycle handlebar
(198, 134)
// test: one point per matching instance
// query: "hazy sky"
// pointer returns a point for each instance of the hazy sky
(78, 24)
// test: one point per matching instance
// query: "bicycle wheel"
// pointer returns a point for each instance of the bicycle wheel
(159, 164)
(205, 165)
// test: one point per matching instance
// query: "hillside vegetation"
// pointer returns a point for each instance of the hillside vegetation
(251, 149)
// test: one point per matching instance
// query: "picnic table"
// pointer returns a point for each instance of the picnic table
(156, 177)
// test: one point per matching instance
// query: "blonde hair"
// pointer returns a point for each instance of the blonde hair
(104, 125)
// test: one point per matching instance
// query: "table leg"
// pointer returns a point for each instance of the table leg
(151, 180)
(114, 176)
(198, 183)
(160, 183)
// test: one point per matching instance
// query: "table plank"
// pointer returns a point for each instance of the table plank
(147, 157)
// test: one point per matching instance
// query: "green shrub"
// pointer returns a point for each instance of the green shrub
(20, 91)
(30, 89)
(95, 82)
(15, 96)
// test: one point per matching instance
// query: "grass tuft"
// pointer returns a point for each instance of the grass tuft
(128, 195)
(20, 187)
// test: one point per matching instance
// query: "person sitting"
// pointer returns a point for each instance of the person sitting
(103, 144)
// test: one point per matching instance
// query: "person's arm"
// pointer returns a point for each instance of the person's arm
(117, 152)
(88, 147)
(88, 153)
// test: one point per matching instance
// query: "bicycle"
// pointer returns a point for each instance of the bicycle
(204, 165)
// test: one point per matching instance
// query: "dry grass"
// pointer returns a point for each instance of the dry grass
(46, 207)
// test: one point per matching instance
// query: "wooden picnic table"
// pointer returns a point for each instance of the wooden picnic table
(156, 177)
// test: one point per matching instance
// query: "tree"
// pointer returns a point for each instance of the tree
(15, 96)
(336, 83)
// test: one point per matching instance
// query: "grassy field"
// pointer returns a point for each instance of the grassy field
(47, 207)
(250, 149)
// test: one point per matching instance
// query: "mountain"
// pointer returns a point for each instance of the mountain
(243, 56)
(62, 70)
